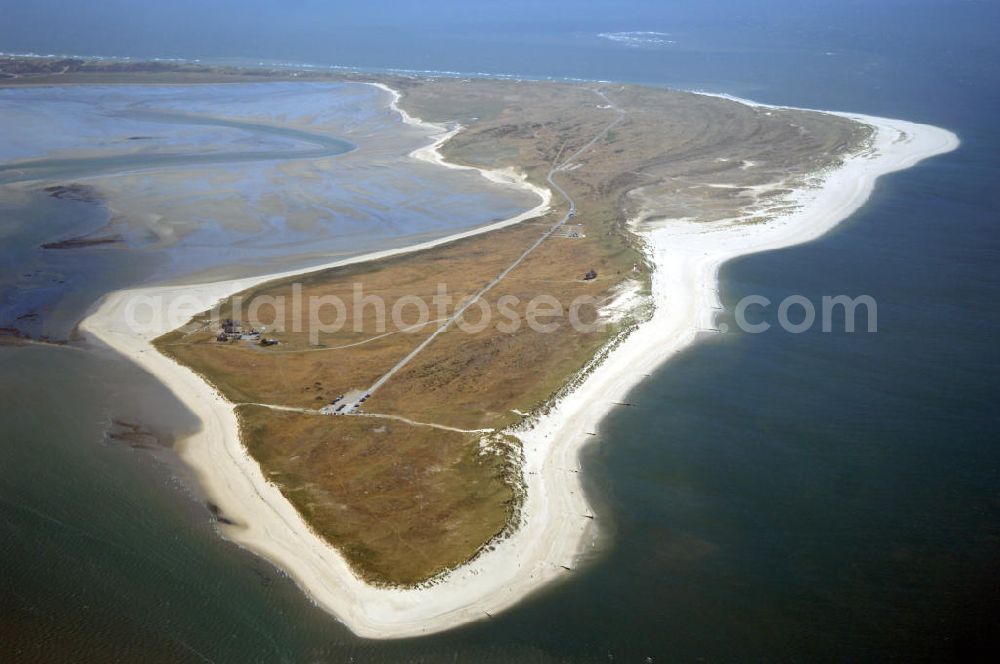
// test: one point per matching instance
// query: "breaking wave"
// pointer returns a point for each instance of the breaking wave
(639, 39)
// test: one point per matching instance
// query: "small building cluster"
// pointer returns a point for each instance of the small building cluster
(233, 330)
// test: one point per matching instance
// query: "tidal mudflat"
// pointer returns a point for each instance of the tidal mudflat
(154, 182)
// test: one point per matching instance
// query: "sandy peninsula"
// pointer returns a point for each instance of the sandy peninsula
(557, 524)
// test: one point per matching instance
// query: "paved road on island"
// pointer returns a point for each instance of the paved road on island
(571, 210)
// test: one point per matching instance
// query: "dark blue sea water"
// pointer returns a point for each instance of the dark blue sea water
(771, 497)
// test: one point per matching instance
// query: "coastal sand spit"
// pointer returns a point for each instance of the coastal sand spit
(555, 528)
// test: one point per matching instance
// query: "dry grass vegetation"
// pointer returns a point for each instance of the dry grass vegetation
(402, 502)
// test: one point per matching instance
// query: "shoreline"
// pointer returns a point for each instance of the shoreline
(431, 154)
(687, 256)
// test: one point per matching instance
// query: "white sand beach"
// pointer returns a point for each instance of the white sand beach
(556, 528)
